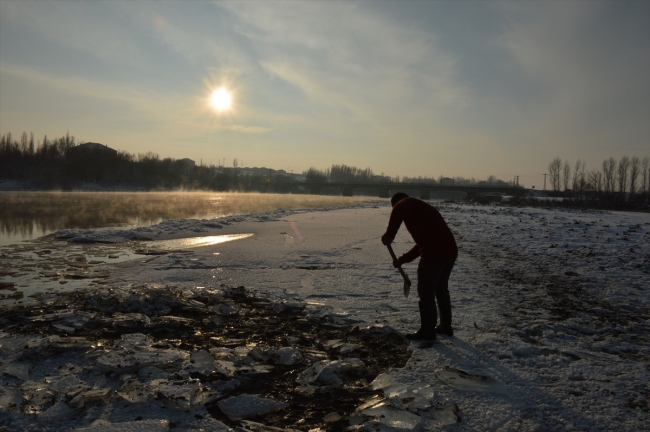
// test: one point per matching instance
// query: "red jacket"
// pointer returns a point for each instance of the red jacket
(432, 236)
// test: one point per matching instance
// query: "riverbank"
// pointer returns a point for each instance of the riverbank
(550, 313)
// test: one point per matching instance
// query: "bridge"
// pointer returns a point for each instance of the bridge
(385, 190)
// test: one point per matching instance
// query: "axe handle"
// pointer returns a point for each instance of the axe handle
(401, 270)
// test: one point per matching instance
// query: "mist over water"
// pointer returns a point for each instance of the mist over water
(28, 215)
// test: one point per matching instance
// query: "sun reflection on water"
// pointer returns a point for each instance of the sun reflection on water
(193, 242)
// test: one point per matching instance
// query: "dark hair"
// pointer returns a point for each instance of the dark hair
(397, 198)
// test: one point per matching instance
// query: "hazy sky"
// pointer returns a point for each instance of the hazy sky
(430, 88)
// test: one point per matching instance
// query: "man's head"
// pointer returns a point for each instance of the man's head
(397, 198)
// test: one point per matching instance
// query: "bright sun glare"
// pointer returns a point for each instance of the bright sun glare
(221, 99)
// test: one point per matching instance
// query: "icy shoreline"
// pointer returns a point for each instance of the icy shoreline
(549, 305)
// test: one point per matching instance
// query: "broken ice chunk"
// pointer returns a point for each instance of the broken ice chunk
(393, 417)
(134, 320)
(60, 410)
(67, 384)
(176, 394)
(63, 328)
(135, 426)
(227, 342)
(10, 399)
(225, 309)
(375, 400)
(170, 319)
(242, 351)
(401, 396)
(38, 395)
(67, 369)
(96, 395)
(462, 380)
(244, 406)
(133, 340)
(69, 342)
(202, 361)
(330, 372)
(254, 426)
(131, 360)
(409, 399)
(332, 344)
(347, 348)
(288, 356)
(382, 380)
(134, 391)
(18, 370)
(288, 305)
(259, 353)
(315, 356)
(76, 321)
(148, 373)
(224, 367)
(332, 417)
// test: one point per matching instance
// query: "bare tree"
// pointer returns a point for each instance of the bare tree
(566, 175)
(554, 169)
(596, 180)
(635, 165)
(609, 174)
(623, 167)
(24, 146)
(234, 163)
(645, 174)
(579, 180)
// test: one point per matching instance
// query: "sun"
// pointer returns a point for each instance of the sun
(221, 99)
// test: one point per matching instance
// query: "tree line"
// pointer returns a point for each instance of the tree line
(622, 180)
(348, 174)
(62, 163)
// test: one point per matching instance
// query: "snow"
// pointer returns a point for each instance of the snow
(550, 309)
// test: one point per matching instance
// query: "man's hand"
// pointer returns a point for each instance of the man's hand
(385, 240)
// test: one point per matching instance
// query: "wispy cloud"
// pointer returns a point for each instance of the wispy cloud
(587, 68)
(347, 55)
(88, 27)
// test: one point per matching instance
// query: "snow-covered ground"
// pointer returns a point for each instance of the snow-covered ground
(552, 306)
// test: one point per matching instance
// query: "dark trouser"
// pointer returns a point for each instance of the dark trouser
(433, 280)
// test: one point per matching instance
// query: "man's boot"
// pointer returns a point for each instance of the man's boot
(444, 304)
(428, 318)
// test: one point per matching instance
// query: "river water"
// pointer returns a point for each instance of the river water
(29, 215)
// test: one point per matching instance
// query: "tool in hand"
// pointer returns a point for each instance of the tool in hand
(407, 281)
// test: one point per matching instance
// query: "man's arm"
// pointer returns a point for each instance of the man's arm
(410, 255)
(396, 219)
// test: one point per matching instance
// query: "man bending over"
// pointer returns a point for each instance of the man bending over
(436, 246)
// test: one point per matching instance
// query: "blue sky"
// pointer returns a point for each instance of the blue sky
(426, 88)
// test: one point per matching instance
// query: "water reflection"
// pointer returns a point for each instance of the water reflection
(193, 242)
(26, 215)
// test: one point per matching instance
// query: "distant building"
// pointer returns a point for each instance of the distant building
(446, 181)
(381, 178)
(188, 163)
(91, 147)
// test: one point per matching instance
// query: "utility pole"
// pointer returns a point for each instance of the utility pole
(544, 180)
